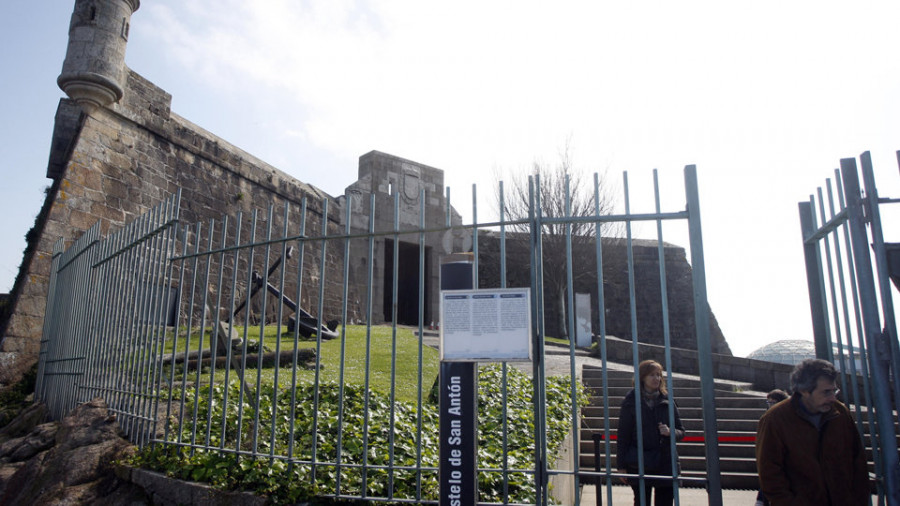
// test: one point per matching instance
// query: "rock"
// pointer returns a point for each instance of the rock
(6, 472)
(77, 470)
(43, 437)
(24, 422)
(88, 424)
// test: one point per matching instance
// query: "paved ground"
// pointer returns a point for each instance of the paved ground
(623, 496)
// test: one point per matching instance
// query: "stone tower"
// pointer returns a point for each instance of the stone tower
(94, 72)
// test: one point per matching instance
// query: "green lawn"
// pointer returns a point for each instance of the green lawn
(380, 343)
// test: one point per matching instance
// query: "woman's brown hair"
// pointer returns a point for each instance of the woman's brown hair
(648, 367)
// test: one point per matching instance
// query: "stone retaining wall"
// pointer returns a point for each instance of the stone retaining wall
(763, 376)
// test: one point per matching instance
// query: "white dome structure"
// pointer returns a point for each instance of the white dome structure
(794, 351)
(787, 351)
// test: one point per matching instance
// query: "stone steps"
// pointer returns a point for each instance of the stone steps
(738, 410)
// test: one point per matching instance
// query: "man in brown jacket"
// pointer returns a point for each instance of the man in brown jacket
(808, 451)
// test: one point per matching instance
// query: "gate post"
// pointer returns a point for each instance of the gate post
(458, 420)
(815, 283)
(704, 346)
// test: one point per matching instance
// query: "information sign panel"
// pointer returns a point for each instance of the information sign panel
(486, 325)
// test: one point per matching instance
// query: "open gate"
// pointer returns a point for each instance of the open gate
(849, 269)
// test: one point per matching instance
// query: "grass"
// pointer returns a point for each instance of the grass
(383, 349)
(556, 340)
(380, 342)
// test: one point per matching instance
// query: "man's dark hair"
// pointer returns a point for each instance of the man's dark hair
(777, 395)
(806, 374)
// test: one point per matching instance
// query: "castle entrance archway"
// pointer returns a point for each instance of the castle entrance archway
(407, 276)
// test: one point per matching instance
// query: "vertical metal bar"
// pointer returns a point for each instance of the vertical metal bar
(301, 246)
(236, 248)
(667, 341)
(115, 330)
(148, 326)
(704, 347)
(94, 368)
(125, 282)
(82, 345)
(395, 281)
(448, 213)
(842, 289)
(244, 387)
(49, 322)
(64, 333)
(165, 276)
(137, 311)
(370, 275)
(343, 356)
(128, 266)
(60, 309)
(214, 338)
(601, 313)
(75, 348)
(635, 349)
(70, 333)
(109, 345)
(814, 279)
(187, 340)
(128, 331)
(264, 307)
(475, 235)
(504, 378)
(420, 367)
(175, 332)
(570, 318)
(869, 305)
(202, 328)
(144, 307)
(540, 438)
(138, 324)
(120, 323)
(278, 319)
(172, 238)
(346, 296)
(321, 305)
(834, 304)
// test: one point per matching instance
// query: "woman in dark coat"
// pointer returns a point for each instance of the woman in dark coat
(656, 435)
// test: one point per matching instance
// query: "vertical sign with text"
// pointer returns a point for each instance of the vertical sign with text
(459, 436)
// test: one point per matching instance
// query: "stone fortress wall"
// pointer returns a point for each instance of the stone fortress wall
(617, 301)
(118, 150)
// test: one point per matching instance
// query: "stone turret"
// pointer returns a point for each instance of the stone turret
(94, 72)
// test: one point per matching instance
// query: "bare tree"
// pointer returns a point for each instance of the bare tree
(563, 192)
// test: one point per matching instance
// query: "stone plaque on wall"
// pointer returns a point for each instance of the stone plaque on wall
(583, 320)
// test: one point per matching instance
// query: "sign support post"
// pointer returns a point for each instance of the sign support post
(458, 406)
(487, 325)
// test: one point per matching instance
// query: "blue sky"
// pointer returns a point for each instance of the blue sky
(765, 98)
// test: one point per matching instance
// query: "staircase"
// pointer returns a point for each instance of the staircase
(737, 414)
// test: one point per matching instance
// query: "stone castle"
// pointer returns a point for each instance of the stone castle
(118, 150)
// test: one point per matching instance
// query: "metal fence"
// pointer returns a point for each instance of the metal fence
(186, 331)
(849, 271)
